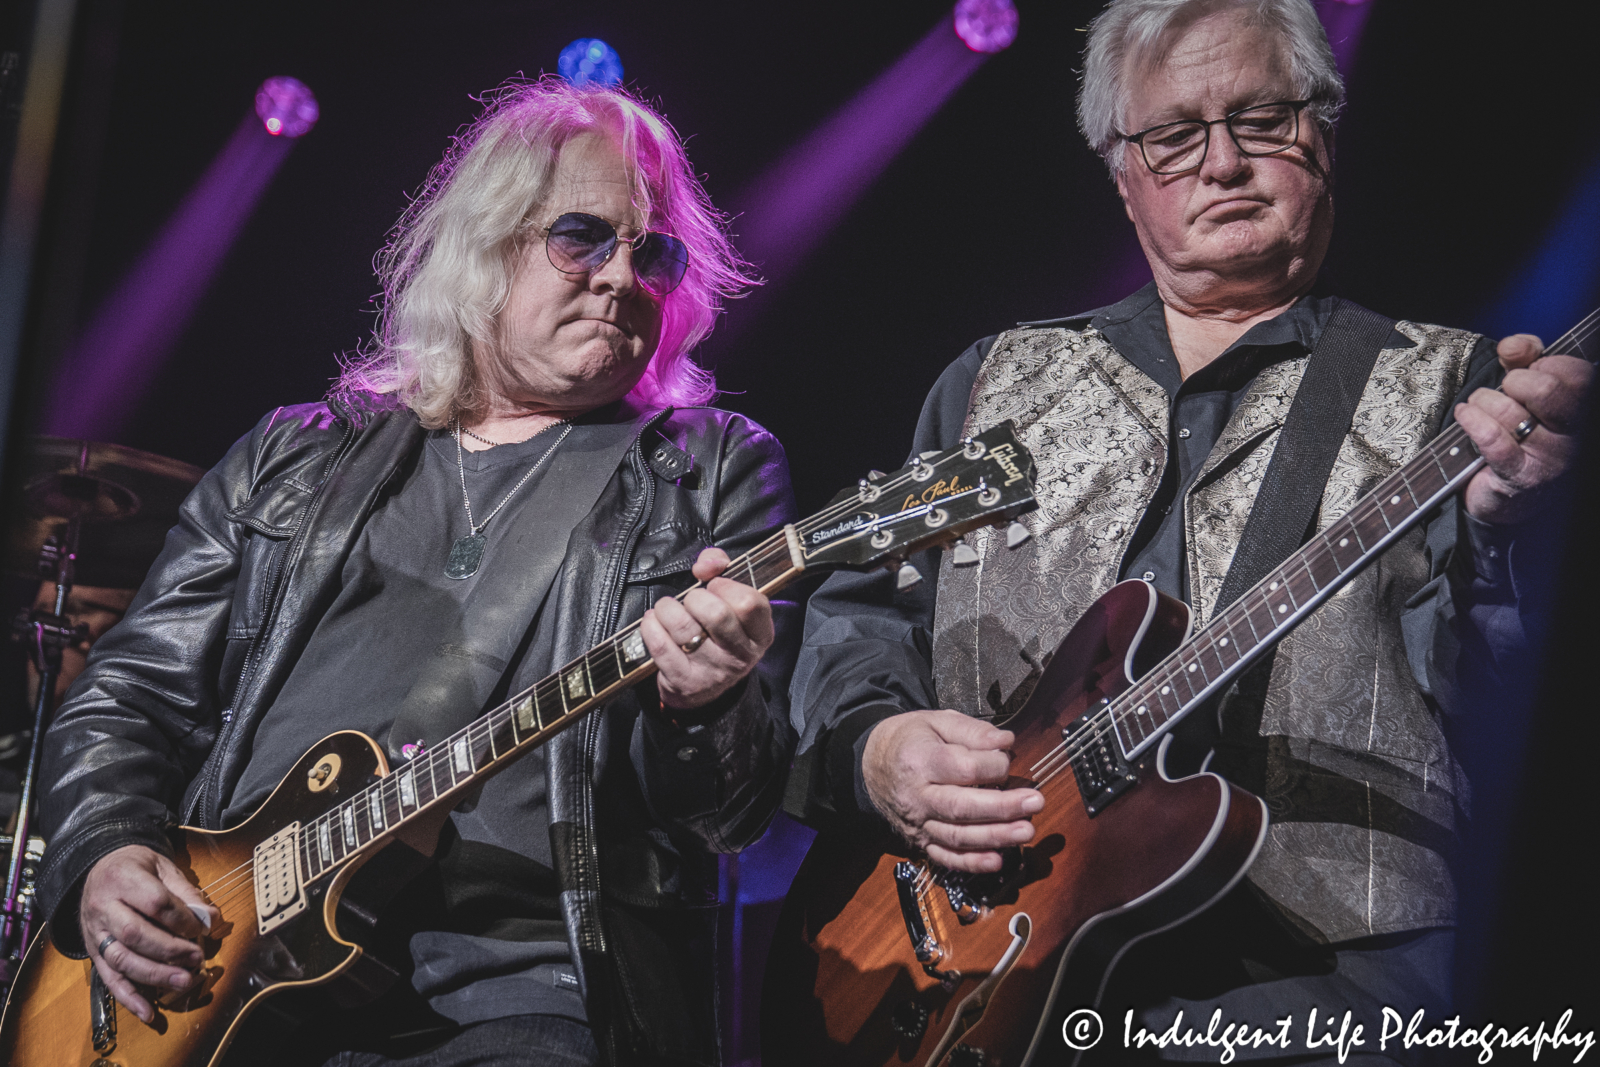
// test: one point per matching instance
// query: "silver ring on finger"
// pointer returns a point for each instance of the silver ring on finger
(1524, 428)
(694, 642)
(105, 943)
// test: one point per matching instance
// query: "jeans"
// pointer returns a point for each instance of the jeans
(518, 1039)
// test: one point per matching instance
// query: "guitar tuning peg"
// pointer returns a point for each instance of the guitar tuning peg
(906, 576)
(929, 454)
(963, 556)
(876, 475)
(1016, 534)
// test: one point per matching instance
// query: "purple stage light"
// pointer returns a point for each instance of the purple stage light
(286, 107)
(122, 348)
(788, 210)
(590, 61)
(1344, 21)
(986, 25)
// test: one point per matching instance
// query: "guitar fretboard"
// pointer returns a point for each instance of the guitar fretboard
(1248, 627)
(1258, 619)
(924, 503)
(445, 771)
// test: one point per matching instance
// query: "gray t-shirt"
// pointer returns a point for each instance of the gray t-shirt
(491, 941)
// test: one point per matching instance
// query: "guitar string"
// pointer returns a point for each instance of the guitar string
(774, 549)
(1105, 720)
(1101, 726)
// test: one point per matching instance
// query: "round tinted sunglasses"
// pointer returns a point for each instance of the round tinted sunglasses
(577, 243)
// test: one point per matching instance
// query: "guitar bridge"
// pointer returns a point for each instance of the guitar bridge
(972, 896)
(1102, 773)
(280, 890)
(908, 880)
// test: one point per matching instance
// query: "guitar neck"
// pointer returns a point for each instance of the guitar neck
(442, 774)
(1260, 618)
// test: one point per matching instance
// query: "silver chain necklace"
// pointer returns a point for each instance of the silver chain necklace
(467, 552)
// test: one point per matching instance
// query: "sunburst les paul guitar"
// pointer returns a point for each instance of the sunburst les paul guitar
(885, 959)
(280, 877)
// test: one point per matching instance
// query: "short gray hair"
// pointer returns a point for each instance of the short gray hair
(1135, 29)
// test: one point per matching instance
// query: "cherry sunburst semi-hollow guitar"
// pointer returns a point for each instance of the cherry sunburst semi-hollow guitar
(885, 959)
(280, 877)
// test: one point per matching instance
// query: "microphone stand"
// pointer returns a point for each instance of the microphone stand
(47, 633)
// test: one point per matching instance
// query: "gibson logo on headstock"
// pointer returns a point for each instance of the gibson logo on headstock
(1006, 456)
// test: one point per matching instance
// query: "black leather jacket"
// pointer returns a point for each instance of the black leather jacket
(158, 728)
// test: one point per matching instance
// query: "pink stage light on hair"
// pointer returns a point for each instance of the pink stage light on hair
(986, 25)
(286, 107)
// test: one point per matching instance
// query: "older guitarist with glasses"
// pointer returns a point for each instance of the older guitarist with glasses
(520, 465)
(1153, 422)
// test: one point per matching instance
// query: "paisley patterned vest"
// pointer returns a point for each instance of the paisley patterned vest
(1334, 733)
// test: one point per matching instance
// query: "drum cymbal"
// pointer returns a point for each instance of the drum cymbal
(127, 499)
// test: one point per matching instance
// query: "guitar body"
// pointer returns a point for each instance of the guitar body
(283, 879)
(844, 983)
(48, 1017)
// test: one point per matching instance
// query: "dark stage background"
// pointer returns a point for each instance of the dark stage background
(1469, 131)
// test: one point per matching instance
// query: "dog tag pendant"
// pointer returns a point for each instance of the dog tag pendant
(465, 555)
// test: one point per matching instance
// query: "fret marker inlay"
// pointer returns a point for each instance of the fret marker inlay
(576, 689)
(347, 815)
(463, 760)
(524, 711)
(324, 843)
(375, 802)
(633, 647)
(408, 789)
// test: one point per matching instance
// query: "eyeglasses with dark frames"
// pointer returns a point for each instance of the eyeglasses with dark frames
(577, 243)
(1258, 130)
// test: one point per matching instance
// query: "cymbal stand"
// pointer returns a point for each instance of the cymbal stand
(47, 633)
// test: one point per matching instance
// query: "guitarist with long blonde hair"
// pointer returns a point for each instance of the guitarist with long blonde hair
(520, 465)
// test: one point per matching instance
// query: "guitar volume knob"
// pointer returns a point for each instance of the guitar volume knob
(909, 1019)
(967, 1056)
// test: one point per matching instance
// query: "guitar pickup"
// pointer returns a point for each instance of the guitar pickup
(1102, 773)
(280, 891)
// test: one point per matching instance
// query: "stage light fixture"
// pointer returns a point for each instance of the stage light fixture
(986, 25)
(590, 61)
(286, 107)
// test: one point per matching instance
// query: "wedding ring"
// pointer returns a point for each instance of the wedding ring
(694, 642)
(1524, 428)
(105, 943)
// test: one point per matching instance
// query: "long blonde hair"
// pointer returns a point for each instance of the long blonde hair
(448, 267)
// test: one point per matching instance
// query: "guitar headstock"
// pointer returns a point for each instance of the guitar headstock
(987, 480)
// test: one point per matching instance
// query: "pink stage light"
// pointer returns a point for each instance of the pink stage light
(986, 25)
(286, 107)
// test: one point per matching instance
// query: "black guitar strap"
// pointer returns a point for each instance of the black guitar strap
(1318, 420)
